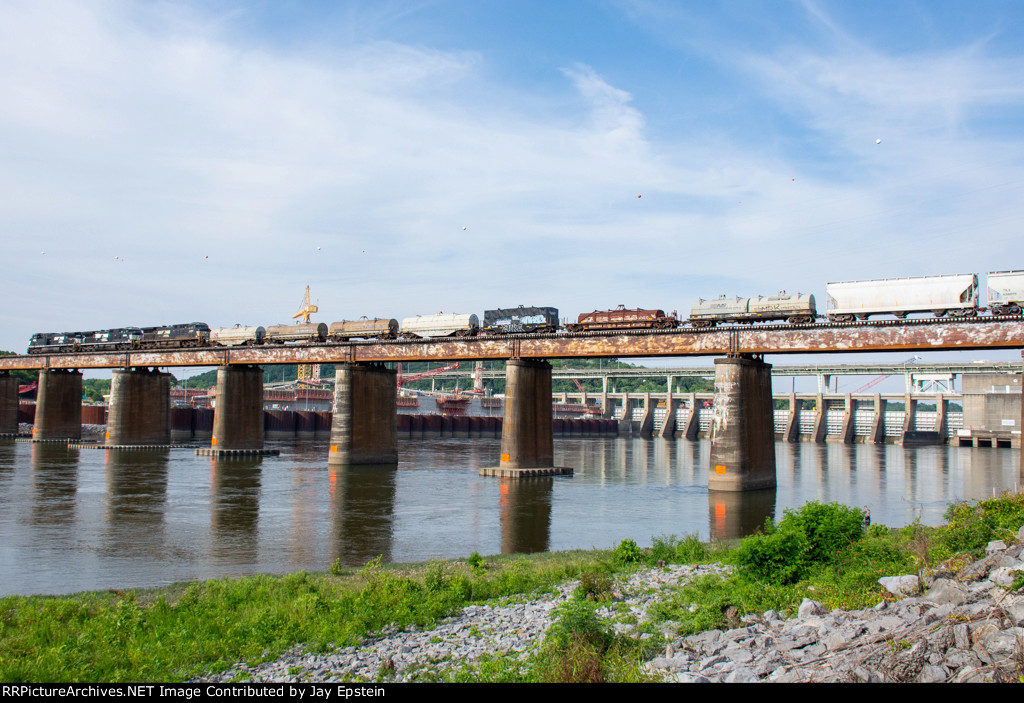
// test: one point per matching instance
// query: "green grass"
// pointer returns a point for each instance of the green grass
(187, 630)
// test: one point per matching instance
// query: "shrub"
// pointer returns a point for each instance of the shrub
(970, 527)
(627, 552)
(813, 535)
(476, 562)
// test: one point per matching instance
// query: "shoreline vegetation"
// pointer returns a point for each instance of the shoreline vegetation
(183, 631)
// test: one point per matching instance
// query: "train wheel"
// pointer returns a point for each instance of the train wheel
(1013, 309)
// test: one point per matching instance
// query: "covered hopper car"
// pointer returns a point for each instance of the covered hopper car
(1006, 292)
(955, 295)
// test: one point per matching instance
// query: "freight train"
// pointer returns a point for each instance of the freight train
(954, 295)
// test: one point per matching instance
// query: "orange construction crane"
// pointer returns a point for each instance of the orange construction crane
(306, 310)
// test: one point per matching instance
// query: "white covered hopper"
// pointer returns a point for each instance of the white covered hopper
(956, 294)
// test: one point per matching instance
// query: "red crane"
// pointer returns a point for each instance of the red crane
(426, 374)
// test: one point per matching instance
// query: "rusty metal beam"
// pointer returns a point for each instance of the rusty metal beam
(916, 336)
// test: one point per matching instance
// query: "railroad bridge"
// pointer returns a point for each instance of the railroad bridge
(365, 413)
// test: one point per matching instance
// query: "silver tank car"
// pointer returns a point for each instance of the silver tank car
(955, 295)
(237, 336)
(1006, 292)
(307, 332)
(364, 328)
(440, 325)
(798, 308)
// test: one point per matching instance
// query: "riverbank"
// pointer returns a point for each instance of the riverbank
(767, 608)
(966, 629)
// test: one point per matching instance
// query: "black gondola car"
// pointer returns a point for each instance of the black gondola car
(520, 320)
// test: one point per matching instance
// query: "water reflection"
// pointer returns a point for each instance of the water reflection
(86, 519)
(136, 502)
(54, 485)
(362, 512)
(525, 514)
(733, 515)
(235, 510)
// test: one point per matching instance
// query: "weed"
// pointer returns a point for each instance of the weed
(627, 552)
(336, 567)
(898, 645)
(476, 562)
(670, 549)
(595, 587)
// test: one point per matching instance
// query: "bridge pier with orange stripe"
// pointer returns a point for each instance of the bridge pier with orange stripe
(527, 434)
(364, 429)
(742, 426)
(238, 415)
(140, 408)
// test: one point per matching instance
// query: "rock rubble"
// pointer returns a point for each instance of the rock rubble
(965, 627)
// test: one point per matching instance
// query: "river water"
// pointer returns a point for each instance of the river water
(84, 519)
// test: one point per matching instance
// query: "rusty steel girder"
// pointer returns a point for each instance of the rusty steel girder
(918, 335)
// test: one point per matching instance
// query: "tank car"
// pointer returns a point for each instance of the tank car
(1006, 292)
(363, 328)
(238, 336)
(793, 308)
(440, 325)
(306, 332)
(180, 336)
(622, 319)
(955, 295)
(520, 320)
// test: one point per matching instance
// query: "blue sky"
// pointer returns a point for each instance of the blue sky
(169, 162)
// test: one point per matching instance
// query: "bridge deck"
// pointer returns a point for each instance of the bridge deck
(878, 336)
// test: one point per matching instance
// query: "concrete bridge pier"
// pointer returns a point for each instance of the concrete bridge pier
(626, 421)
(527, 445)
(691, 427)
(668, 427)
(742, 426)
(58, 405)
(8, 404)
(238, 415)
(140, 407)
(647, 421)
(820, 430)
(364, 428)
(877, 435)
